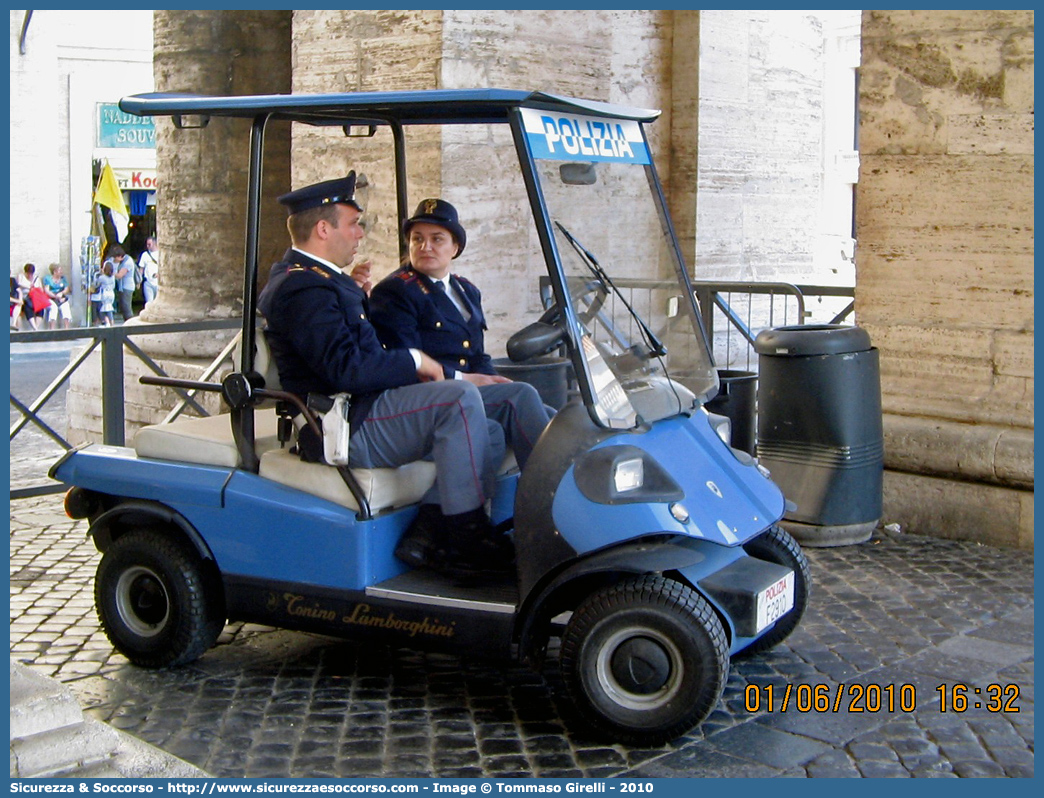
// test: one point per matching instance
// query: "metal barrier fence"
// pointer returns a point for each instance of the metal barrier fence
(735, 312)
(112, 342)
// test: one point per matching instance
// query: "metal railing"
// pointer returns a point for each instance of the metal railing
(735, 312)
(112, 342)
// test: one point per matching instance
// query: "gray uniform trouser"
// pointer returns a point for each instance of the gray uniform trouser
(440, 421)
(518, 410)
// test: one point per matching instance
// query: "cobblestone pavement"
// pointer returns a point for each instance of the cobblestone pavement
(899, 609)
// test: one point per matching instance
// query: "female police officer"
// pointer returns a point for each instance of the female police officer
(423, 306)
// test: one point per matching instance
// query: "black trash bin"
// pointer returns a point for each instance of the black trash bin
(549, 375)
(736, 399)
(819, 429)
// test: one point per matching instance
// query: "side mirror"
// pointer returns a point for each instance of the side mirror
(534, 340)
(578, 174)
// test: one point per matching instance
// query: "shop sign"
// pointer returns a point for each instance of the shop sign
(117, 129)
(135, 179)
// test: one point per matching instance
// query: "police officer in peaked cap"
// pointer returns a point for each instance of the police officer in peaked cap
(340, 190)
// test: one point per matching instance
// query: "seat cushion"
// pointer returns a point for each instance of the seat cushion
(206, 441)
(383, 487)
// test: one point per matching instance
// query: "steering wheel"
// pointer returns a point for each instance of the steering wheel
(591, 288)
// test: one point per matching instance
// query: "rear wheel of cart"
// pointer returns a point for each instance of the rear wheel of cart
(158, 602)
(776, 545)
(644, 660)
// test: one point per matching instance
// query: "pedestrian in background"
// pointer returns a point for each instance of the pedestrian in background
(27, 281)
(123, 267)
(16, 303)
(105, 289)
(58, 290)
(148, 271)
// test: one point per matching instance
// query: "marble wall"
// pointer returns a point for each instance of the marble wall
(945, 264)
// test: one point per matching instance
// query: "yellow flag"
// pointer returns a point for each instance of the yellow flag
(108, 194)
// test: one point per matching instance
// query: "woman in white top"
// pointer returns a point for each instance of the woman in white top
(148, 270)
(27, 281)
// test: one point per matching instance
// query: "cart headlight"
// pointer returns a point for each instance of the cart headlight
(624, 475)
(628, 474)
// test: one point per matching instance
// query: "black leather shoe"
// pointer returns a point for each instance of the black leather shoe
(464, 546)
(475, 549)
(419, 545)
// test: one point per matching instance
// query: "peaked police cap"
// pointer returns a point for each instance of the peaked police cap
(441, 213)
(341, 189)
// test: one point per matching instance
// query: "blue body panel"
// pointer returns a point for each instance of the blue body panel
(728, 502)
(259, 531)
(282, 534)
(715, 558)
(257, 528)
(117, 470)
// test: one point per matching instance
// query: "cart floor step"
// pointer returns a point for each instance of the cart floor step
(428, 587)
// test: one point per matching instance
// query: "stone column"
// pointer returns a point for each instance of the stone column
(944, 265)
(343, 50)
(201, 208)
(685, 130)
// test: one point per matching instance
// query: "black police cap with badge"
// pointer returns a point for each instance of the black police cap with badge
(341, 189)
(441, 213)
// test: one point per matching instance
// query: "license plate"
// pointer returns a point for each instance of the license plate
(775, 601)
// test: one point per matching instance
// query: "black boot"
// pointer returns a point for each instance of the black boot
(419, 545)
(474, 549)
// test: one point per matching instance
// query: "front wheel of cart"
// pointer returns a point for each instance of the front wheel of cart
(644, 660)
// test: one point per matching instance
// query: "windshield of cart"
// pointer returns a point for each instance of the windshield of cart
(645, 351)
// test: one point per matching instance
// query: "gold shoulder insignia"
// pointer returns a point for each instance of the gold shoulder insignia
(320, 272)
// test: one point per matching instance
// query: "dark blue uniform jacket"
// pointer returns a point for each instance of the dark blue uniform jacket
(408, 311)
(321, 336)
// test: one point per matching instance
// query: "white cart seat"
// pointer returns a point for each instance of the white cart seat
(383, 487)
(206, 441)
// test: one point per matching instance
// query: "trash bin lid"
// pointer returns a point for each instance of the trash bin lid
(800, 340)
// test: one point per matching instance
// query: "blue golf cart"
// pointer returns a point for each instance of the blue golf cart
(643, 542)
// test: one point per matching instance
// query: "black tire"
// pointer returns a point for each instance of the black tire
(644, 660)
(776, 545)
(159, 604)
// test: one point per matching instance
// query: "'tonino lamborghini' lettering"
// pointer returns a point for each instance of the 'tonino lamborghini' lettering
(362, 616)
